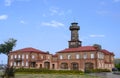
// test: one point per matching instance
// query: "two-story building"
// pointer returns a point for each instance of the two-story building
(75, 57)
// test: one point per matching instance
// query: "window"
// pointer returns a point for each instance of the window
(69, 56)
(22, 63)
(100, 55)
(61, 57)
(72, 43)
(11, 56)
(64, 66)
(15, 56)
(33, 56)
(48, 57)
(23, 56)
(41, 57)
(18, 63)
(85, 56)
(26, 56)
(26, 63)
(92, 55)
(11, 64)
(77, 56)
(14, 63)
(18, 56)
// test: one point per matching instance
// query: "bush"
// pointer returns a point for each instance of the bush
(46, 71)
(97, 70)
(9, 72)
(117, 66)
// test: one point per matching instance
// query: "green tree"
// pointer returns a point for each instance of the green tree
(117, 66)
(7, 46)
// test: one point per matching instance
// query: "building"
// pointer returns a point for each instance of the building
(75, 57)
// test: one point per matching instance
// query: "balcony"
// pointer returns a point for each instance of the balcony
(18, 59)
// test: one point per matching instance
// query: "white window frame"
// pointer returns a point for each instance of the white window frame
(48, 57)
(69, 56)
(92, 55)
(22, 63)
(19, 56)
(18, 63)
(23, 56)
(85, 56)
(15, 56)
(41, 57)
(11, 64)
(61, 56)
(26, 56)
(33, 56)
(14, 63)
(26, 63)
(77, 56)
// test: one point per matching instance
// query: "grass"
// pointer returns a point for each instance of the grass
(52, 76)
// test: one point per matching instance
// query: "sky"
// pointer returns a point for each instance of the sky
(44, 24)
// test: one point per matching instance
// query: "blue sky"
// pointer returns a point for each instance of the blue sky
(44, 24)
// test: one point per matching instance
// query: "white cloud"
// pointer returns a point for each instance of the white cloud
(116, 0)
(8, 2)
(3, 17)
(103, 3)
(52, 24)
(22, 22)
(102, 12)
(56, 11)
(96, 35)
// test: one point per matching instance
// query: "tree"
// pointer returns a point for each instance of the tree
(7, 46)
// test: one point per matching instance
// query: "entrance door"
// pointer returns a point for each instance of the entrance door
(89, 66)
(33, 64)
(74, 66)
(47, 65)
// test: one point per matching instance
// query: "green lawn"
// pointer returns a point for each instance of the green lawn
(52, 76)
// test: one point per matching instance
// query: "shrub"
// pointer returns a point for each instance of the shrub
(46, 71)
(9, 72)
(97, 70)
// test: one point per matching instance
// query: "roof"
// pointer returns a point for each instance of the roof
(55, 55)
(107, 52)
(84, 49)
(79, 49)
(30, 49)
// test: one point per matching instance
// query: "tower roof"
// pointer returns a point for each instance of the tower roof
(74, 26)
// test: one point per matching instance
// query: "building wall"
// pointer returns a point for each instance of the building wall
(82, 60)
